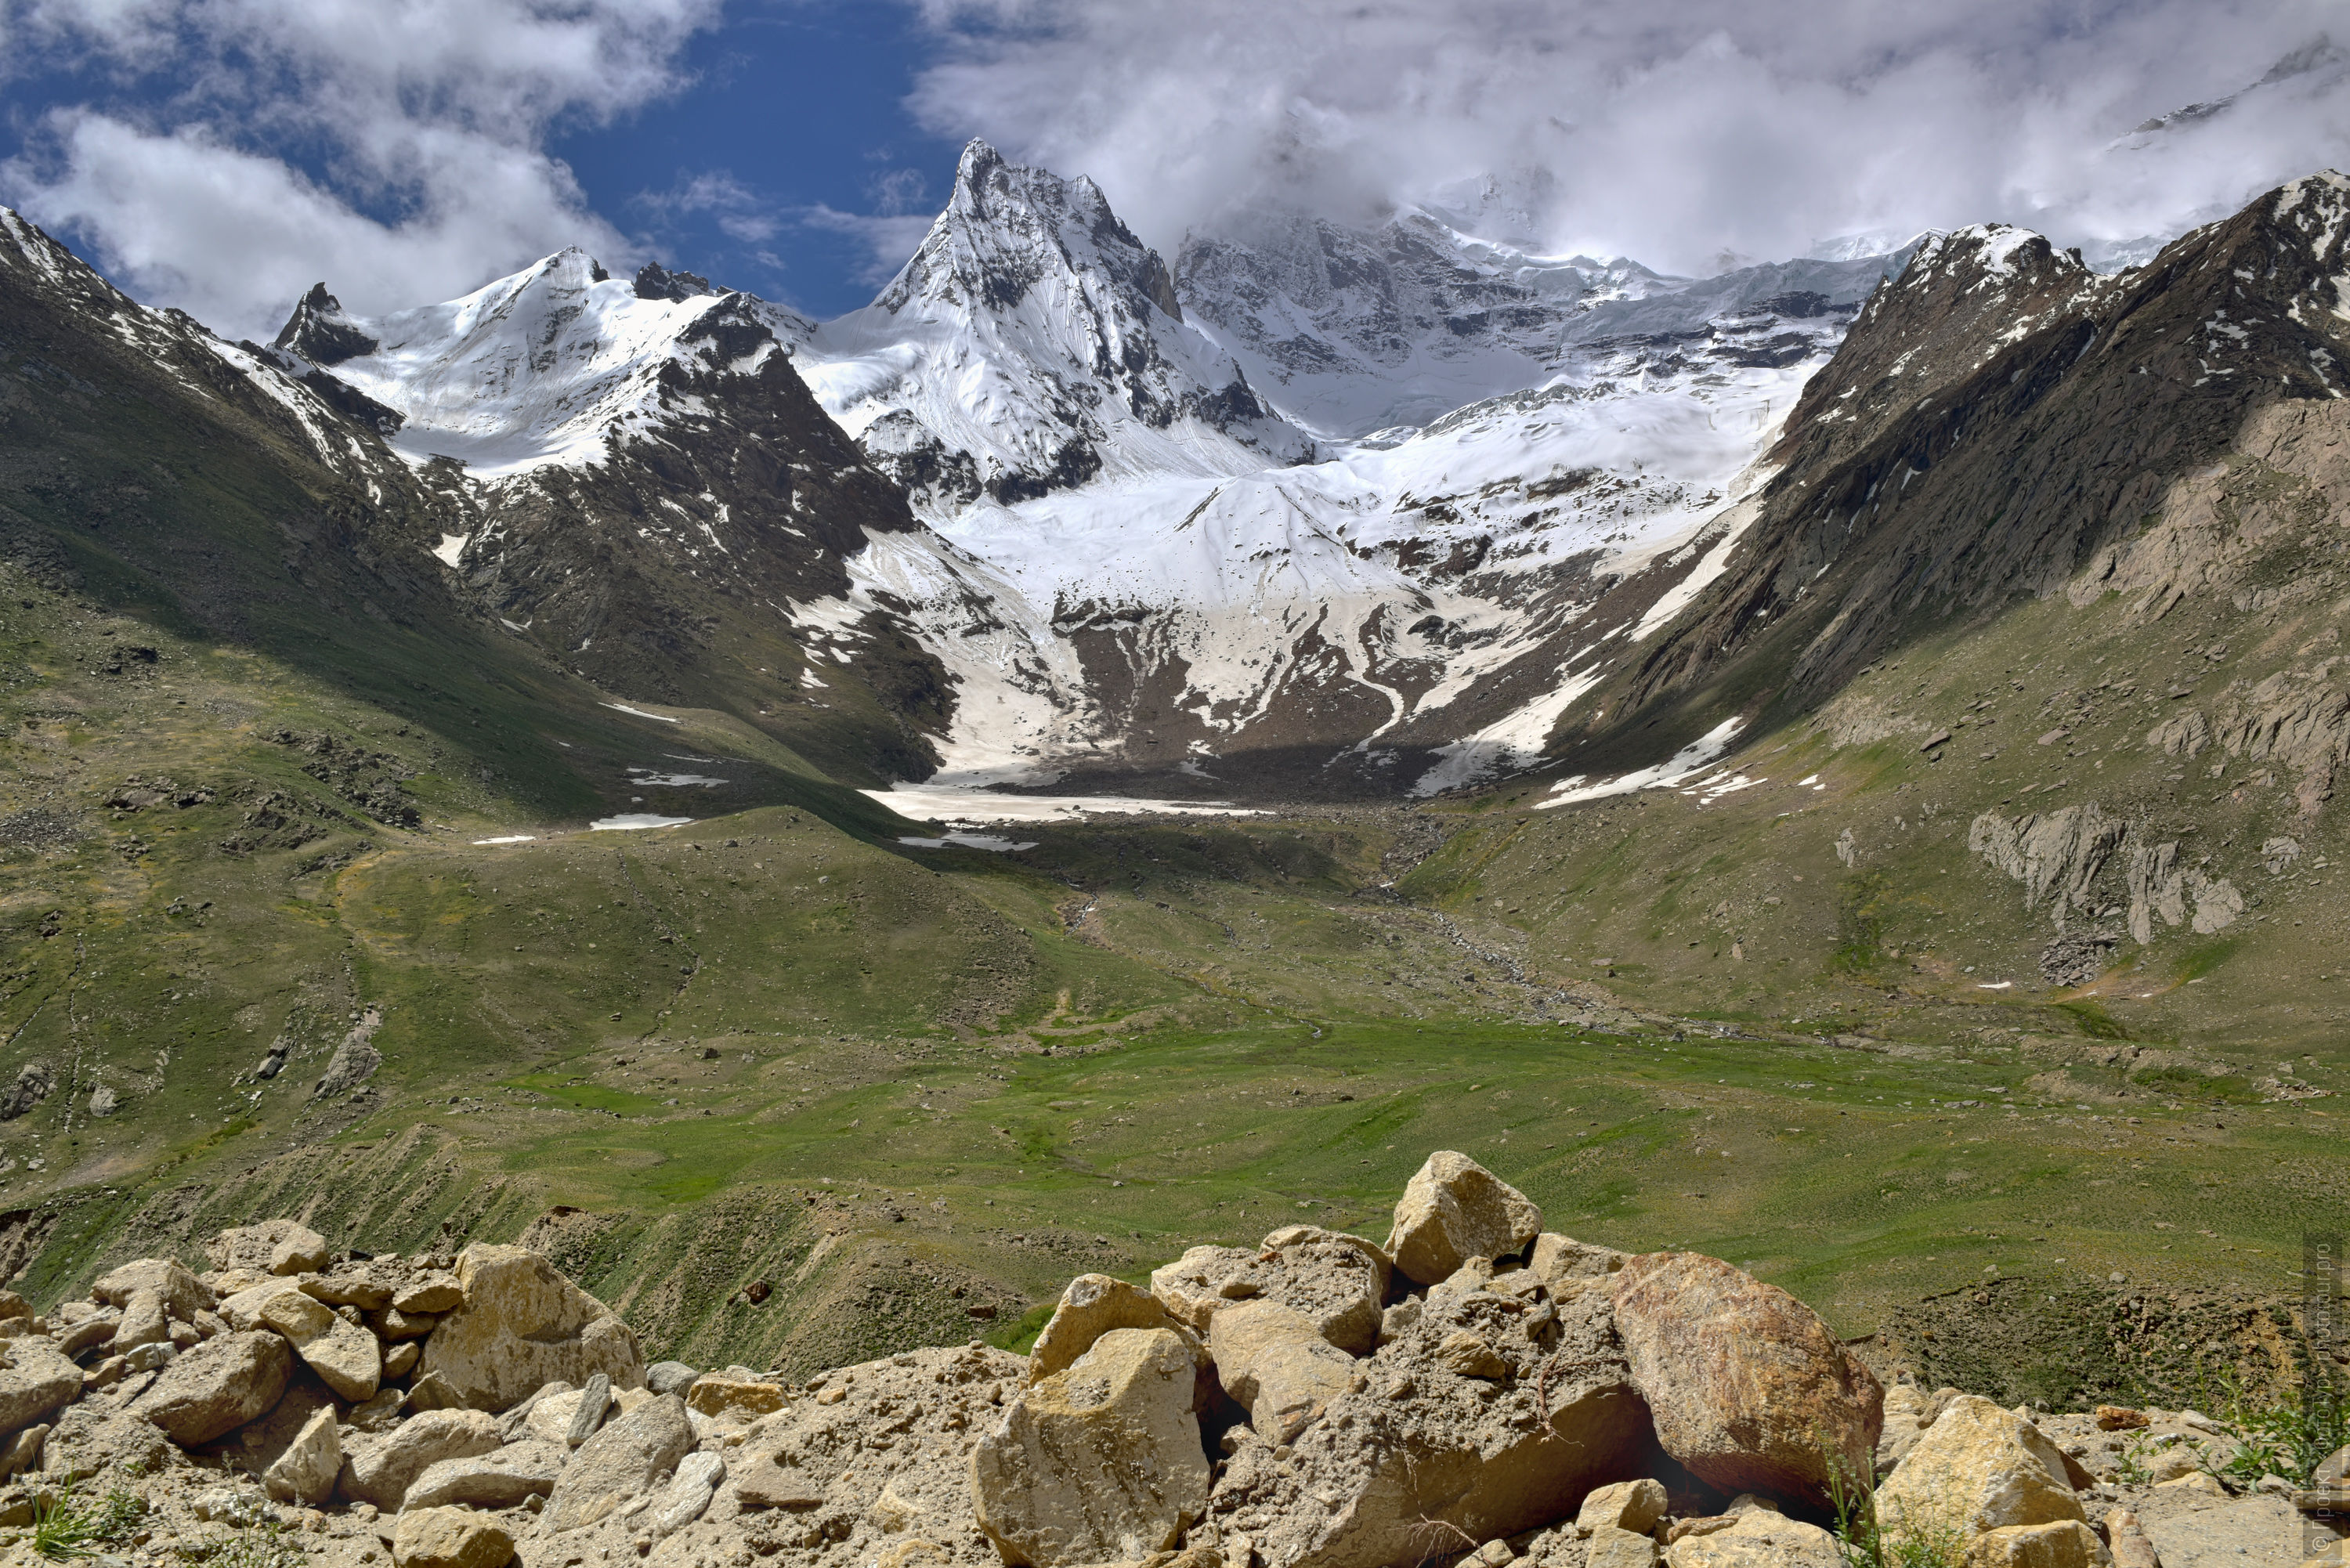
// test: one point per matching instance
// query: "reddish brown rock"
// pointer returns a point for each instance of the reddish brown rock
(1743, 1381)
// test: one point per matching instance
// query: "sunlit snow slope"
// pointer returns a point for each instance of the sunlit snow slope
(1322, 510)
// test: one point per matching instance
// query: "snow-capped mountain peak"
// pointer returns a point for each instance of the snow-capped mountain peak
(1033, 344)
(549, 366)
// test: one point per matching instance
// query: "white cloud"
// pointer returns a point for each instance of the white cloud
(888, 238)
(428, 119)
(1674, 130)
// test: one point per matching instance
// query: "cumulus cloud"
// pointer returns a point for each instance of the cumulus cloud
(1689, 133)
(419, 126)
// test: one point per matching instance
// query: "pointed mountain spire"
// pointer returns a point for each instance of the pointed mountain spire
(320, 332)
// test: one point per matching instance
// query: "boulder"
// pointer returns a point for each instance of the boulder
(1558, 1258)
(1409, 1456)
(358, 1285)
(619, 1463)
(2126, 1538)
(503, 1478)
(1907, 1415)
(765, 1483)
(347, 1359)
(1337, 1279)
(1100, 1462)
(432, 1391)
(1633, 1505)
(721, 1396)
(14, 1307)
(2062, 1543)
(272, 1247)
(1453, 1209)
(686, 1495)
(1610, 1547)
(399, 1360)
(521, 1324)
(428, 1295)
(242, 1310)
(391, 1324)
(670, 1376)
(1274, 1361)
(306, 1471)
(1090, 1306)
(1761, 1539)
(1204, 1279)
(1745, 1383)
(450, 1538)
(36, 1382)
(1978, 1468)
(182, 1294)
(21, 1454)
(380, 1469)
(89, 1332)
(218, 1387)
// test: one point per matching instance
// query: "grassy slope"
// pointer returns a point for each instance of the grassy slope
(946, 1080)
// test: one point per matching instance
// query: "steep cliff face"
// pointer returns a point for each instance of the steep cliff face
(2000, 422)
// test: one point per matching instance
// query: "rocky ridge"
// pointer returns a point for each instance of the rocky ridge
(1475, 1389)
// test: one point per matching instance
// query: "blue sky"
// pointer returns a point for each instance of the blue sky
(223, 155)
(776, 153)
(777, 168)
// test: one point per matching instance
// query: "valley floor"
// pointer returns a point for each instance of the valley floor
(788, 1089)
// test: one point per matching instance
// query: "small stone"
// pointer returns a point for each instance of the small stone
(587, 1415)
(718, 1397)
(306, 1471)
(429, 1296)
(764, 1483)
(1467, 1354)
(688, 1494)
(1633, 1505)
(401, 1359)
(2060, 1544)
(670, 1376)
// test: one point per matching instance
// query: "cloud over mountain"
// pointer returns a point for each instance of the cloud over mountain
(1672, 132)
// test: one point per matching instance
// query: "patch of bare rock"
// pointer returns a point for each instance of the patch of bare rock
(1474, 1391)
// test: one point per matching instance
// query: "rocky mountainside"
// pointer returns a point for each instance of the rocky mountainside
(1134, 569)
(1356, 330)
(1476, 1390)
(1033, 344)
